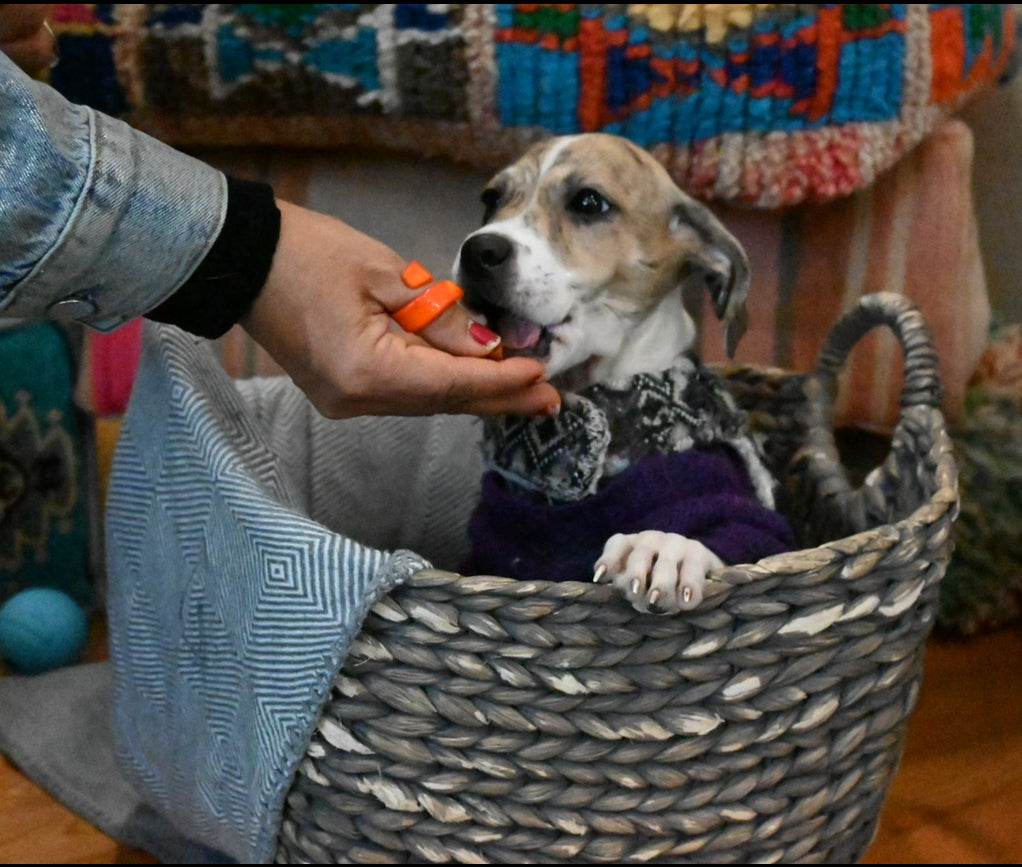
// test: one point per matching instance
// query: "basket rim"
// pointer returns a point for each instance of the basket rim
(881, 538)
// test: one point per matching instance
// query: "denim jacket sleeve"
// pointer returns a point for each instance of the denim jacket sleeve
(99, 223)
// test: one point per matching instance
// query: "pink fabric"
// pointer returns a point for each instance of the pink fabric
(114, 362)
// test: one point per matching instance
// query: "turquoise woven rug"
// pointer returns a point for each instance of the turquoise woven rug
(766, 105)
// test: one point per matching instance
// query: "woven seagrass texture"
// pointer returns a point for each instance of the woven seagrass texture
(480, 719)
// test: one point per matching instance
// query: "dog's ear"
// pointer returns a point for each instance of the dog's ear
(722, 265)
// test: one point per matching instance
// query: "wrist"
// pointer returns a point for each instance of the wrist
(222, 289)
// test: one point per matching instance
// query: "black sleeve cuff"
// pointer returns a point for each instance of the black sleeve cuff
(221, 290)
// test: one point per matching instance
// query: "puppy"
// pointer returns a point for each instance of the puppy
(647, 478)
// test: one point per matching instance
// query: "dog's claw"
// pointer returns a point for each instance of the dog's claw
(600, 573)
(656, 571)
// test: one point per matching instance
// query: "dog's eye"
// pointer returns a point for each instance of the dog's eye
(589, 203)
(491, 200)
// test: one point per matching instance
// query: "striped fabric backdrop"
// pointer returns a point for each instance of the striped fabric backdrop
(913, 232)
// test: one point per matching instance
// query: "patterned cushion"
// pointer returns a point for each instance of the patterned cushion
(765, 104)
(45, 466)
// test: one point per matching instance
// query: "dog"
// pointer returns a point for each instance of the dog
(648, 478)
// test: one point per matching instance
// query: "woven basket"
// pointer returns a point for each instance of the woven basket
(480, 719)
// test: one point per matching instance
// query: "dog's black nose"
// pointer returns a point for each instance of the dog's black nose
(481, 255)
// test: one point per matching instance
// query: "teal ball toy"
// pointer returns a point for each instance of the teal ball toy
(40, 629)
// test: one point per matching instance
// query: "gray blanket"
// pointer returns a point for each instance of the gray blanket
(56, 728)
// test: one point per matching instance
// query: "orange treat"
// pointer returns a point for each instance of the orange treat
(425, 308)
(415, 276)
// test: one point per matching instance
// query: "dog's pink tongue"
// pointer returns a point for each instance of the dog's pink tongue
(517, 333)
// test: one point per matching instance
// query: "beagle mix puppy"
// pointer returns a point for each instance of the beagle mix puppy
(647, 479)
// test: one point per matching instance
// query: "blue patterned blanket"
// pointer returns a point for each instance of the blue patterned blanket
(234, 594)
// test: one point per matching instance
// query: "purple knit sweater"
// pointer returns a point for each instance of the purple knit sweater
(703, 493)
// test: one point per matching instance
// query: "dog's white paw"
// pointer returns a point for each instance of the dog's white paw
(660, 572)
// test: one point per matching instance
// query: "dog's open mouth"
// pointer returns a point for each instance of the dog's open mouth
(519, 336)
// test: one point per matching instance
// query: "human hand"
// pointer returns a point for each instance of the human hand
(24, 36)
(324, 316)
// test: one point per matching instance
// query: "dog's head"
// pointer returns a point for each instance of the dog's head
(586, 248)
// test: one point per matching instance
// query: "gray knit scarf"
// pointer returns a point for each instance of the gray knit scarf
(602, 431)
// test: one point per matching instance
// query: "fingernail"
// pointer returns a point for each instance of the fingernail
(482, 335)
(552, 409)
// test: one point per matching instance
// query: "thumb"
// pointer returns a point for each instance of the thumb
(456, 332)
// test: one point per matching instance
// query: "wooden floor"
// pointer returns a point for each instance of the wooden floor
(956, 798)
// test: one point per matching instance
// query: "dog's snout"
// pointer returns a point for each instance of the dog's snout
(483, 254)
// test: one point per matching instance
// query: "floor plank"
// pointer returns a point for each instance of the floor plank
(955, 798)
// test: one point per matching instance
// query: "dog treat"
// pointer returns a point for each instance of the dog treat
(426, 307)
(415, 276)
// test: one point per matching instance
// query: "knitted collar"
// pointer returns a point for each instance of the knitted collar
(601, 431)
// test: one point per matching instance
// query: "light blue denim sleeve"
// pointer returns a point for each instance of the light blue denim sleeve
(99, 223)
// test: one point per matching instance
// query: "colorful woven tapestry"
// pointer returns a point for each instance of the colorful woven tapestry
(757, 104)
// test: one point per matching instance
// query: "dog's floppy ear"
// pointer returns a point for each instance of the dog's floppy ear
(722, 264)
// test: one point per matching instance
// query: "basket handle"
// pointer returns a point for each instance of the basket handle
(922, 375)
(844, 509)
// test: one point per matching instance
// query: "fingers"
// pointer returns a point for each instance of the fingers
(24, 36)
(21, 20)
(325, 315)
(435, 314)
(436, 369)
(457, 332)
(417, 379)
